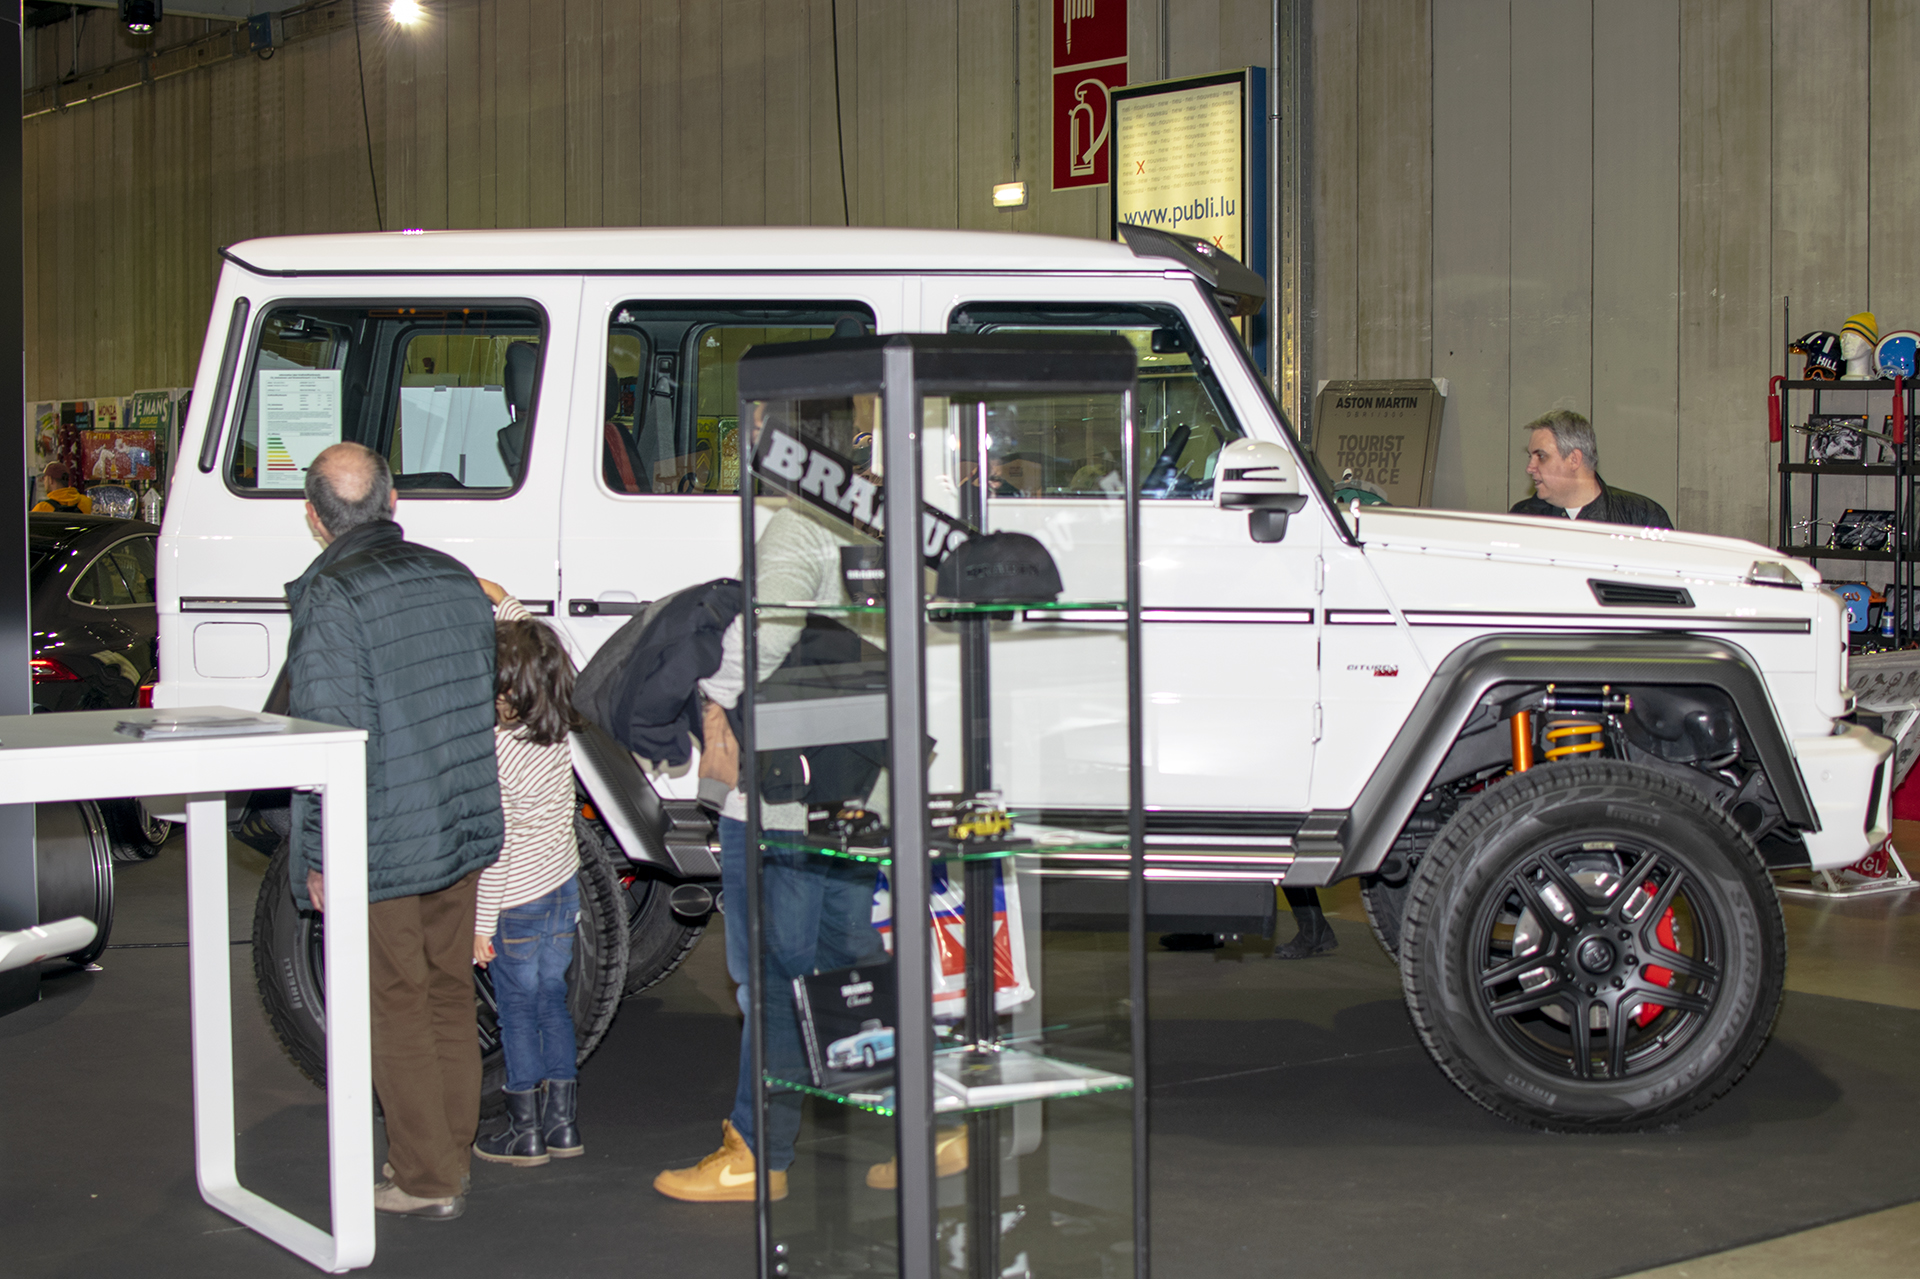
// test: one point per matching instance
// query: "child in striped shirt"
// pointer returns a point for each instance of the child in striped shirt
(529, 903)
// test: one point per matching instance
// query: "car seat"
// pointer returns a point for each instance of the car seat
(521, 374)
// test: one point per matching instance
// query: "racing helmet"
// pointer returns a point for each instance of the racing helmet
(1822, 350)
(1897, 353)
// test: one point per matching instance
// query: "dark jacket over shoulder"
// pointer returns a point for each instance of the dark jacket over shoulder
(640, 686)
(1613, 506)
(398, 639)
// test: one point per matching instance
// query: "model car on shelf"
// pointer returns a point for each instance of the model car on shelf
(971, 822)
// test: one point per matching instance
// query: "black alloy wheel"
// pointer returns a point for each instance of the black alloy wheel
(1591, 946)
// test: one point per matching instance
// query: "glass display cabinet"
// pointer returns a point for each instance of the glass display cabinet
(941, 723)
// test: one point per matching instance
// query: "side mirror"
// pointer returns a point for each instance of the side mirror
(1259, 477)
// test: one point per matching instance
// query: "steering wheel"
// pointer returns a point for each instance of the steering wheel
(1162, 471)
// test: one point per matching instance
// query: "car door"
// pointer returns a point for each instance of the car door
(650, 502)
(1230, 625)
(462, 384)
(98, 649)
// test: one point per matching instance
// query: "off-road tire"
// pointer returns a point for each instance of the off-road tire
(658, 941)
(1515, 854)
(1386, 904)
(287, 959)
(137, 834)
(73, 863)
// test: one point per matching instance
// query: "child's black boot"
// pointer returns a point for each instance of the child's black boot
(520, 1142)
(558, 1098)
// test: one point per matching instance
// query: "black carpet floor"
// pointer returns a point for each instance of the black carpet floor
(1298, 1129)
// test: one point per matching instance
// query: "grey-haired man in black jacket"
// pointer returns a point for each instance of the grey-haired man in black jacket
(397, 639)
(1563, 461)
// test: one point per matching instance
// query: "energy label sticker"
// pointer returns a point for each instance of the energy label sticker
(299, 416)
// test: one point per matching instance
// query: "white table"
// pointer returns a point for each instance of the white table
(53, 758)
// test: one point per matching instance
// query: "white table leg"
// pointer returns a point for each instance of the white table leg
(350, 1088)
(349, 1011)
(210, 976)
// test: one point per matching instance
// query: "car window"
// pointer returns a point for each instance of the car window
(1182, 420)
(104, 584)
(672, 410)
(445, 392)
(134, 559)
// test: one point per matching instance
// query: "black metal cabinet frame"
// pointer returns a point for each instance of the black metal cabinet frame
(904, 371)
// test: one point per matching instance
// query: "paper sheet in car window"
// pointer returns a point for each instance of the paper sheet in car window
(299, 416)
(454, 430)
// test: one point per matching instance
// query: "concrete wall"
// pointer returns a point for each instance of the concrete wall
(1591, 203)
(506, 113)
(1603, 205)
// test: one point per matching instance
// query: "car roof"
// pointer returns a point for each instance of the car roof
(61, 527)
(697, 250)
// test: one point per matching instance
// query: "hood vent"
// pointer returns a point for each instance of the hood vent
(1639, 595)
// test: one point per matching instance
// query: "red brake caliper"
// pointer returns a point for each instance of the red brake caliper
(1654, 973)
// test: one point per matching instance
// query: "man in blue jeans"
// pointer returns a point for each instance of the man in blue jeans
(816, 912)
(817, 915)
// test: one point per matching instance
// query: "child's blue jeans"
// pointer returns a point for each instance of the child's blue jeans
(531, 949)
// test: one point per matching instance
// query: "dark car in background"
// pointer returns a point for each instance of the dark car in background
(90, 593)
(90, 596)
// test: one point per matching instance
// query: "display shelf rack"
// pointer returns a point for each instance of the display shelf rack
(977, 1078)
(1034, 840)
(1903, 470)
(1837, 553)
(1018, 697)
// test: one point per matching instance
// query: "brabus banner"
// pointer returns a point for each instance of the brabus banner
(829, 482)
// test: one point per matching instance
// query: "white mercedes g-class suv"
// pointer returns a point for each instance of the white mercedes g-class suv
(1561, 756)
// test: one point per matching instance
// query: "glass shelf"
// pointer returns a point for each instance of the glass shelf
(1027, 839)
(976, 1078)
(944, 607)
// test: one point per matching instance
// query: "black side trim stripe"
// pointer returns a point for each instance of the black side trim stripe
(1606, 621)
(233, 604)
(1190, 616)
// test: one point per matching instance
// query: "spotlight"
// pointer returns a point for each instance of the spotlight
(406, 12)
(140, 16)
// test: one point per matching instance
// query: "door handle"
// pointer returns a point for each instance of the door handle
(605, 608)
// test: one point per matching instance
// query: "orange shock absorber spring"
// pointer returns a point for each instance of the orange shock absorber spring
(1522, 727)
(1567, 738)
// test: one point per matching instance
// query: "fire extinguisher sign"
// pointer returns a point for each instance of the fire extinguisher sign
(1089, 62)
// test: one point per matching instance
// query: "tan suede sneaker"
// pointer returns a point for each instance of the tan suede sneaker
(949, 1159)
(725, 1176)
(389, 1198)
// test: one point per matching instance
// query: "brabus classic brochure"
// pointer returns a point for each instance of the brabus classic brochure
(846, 1024)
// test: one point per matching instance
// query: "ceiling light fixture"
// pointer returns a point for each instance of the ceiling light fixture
(140, 16)
(406, 12)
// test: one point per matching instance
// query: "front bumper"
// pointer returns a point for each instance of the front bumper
(1849, 777)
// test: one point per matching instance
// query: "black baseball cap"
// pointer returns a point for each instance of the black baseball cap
(999, 568)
